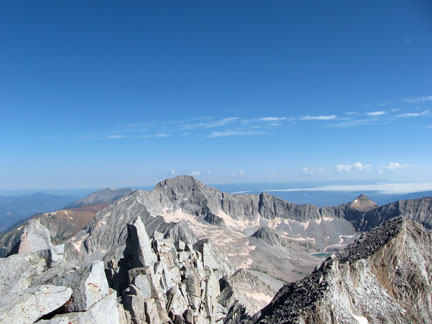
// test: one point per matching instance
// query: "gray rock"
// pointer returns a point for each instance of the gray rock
(31, 304)
(243, 294)
(138, 252)
(381, 278)
(89, 284)
(58, 320)
(17, 271)
(104, 311)
(35, 237)
(213, 258)
(268, 235)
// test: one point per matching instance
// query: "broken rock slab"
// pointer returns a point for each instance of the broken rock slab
(89, 284)
(17, 271)
(104, 311)
(33, 303)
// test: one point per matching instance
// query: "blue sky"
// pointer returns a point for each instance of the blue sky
(108, 93)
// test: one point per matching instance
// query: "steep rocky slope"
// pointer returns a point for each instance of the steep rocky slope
(384, 277)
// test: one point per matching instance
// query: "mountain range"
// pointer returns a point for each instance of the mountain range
(188, 253)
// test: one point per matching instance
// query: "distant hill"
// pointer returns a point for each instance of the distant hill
(63, 223)
(14, 209)
(107, 195)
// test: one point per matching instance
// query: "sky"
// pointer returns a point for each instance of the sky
(107, 93)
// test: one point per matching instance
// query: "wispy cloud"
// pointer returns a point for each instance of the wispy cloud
(112, 137)
(236, 133)
(162, 135)
(195, 173)
(358, 122)
(271, 119)
(416, 114)
(357, 166)
(312, 171)
(376, 113)
(323, 117)
(430, 126)
(418, 99)
(385, 103)
(210, 124)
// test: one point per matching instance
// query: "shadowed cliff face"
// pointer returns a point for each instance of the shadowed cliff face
(384, 277)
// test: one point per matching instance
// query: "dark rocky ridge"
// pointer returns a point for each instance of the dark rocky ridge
(384, 261)
(419, 210)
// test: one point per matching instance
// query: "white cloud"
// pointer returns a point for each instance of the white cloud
(418, 99)
(272, 119)
(324, 117)
(195, 173)
(357, 166)
(306, 171)
(376, 113)
(419, 114)
(162, 135)
(211, 124)
(236, 133)
(392, 166)
(430, 126)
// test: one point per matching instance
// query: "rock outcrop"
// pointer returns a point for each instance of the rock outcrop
(162, 281)
(268, 235)
(37, 283)
(384, 277)
(243, 294)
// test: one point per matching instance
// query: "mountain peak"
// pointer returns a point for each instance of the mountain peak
(363, 203)
(181, 179)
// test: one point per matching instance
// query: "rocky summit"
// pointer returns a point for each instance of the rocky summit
(188, 253)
